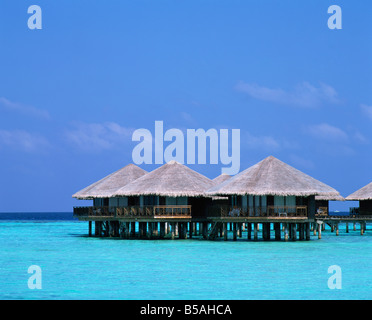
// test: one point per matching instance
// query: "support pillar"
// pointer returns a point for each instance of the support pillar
(319, 231)
(224, 231)
(234, 231)
(277, 231)
(255, 230)
(90, 229)
(249, 231)
(286, 232)
(308, 231)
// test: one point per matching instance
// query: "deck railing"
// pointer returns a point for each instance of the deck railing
(268, 211)
(133, 211)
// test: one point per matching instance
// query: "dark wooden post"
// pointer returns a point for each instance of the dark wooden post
(277, 231)
(286, 232)
(225, 231)
(249, 231)
(162, 229)
(90, 229)
(319, 231)
(133, 229)
(255, 230)
(234, 231)
(308, 231)
(173, 231)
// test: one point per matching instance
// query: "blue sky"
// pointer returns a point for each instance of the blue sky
(72, 93)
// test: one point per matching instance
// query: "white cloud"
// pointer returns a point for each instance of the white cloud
(98, 136)
(23, 109)
(301, 162)
(23, 140)
(259, 142)
(367, 110)
(303, 95)
(325, 131)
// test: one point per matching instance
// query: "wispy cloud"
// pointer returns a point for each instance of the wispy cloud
(23, 140)
(304, 95)
(367, 110)
(301, 162)
(98, 136)
(260, 142)
(20, 108)
(327, 132)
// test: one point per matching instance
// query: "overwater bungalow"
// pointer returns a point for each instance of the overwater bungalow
(171, 190)
(364, 196)
(175, 199)
(101, 192)
(272, 187)
(269, 192)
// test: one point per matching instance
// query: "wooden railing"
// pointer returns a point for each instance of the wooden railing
(269, 211)
(133, 211)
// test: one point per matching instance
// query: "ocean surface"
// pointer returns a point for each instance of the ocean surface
(75, 266)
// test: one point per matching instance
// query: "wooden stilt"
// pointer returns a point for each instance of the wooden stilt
(319, 231)
(162, 230)
(234, 231)
(239, 230)
(286, 232)
(337, 229)
(294, 232)
(133, 229)
(347, 227)
(249, 231)
(191, 228)
(307, 225)
(224, 231)
(301, 231)
(277, 231)
(90, 229)
(173, 230)
(255, 230)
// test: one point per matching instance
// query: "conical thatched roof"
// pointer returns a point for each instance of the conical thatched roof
(364, 193)
(105, 187)
(172, 180)
(221, 178)
(272, 177)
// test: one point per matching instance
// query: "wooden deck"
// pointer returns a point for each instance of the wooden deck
(160, 222)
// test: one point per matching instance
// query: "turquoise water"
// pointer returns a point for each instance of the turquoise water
(77, 267)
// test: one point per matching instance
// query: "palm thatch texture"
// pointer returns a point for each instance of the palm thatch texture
(221, 178)
(364, 193)
(105, 187)
(272, 177)
(170, 180)
(329, 198)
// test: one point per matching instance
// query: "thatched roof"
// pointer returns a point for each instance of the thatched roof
(272, 177)
(330, 198)
(105, 187)
(172, 180)
(221, 178)
(364, 193)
